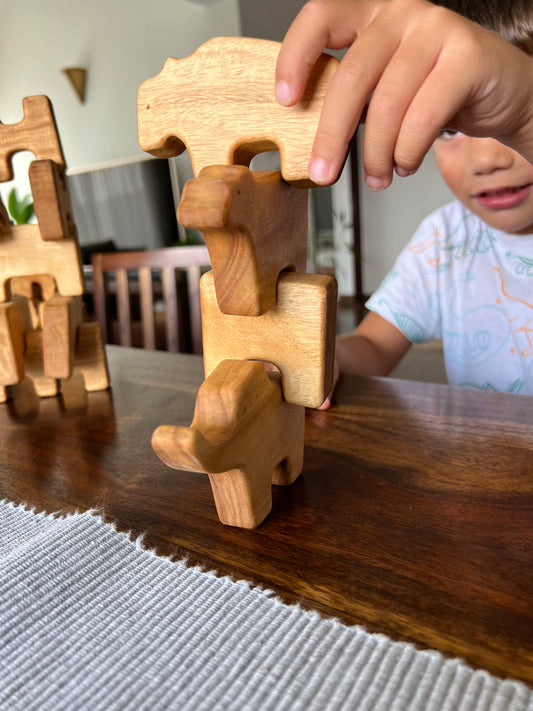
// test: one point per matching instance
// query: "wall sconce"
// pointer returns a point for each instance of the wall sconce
(77, 77)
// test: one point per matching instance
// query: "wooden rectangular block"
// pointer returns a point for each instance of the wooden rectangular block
(297, 335)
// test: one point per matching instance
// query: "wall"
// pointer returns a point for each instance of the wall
(121, 42)
(267, 20)
(389, 218)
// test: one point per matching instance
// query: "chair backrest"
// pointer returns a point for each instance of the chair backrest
(158, 272)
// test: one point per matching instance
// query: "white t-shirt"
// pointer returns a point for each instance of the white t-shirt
(472, 286)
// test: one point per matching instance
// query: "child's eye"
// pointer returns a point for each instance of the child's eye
(447, 133)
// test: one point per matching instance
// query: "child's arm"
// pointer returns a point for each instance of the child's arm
(374, 348)
(421, 68)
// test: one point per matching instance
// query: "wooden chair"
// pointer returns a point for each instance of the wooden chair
(172, 275)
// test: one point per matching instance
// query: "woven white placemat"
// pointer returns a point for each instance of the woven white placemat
(89, 620)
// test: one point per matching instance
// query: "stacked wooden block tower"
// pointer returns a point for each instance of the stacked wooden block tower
(44, 338)
(258, 304)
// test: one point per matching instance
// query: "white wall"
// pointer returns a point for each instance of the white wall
(389, 218)
(120, 42)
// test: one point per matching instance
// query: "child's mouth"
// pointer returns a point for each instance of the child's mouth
(503, 198)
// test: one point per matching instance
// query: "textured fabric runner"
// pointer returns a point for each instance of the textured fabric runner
(90, 620)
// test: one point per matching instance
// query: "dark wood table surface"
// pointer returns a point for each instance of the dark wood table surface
(413, 516)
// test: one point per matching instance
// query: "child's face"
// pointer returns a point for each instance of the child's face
(491, 180)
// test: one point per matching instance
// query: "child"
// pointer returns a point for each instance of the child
(467, 274)
(420, 68)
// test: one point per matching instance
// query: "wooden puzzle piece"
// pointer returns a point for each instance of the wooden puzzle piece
(297, 335)
(219, 103)
(15, 321)
(36, 132)
(90, 364)
(51, 200)
(24, 252)
(34, 365)
(254, 225)
(90, 359)
(243, 435)
(61, 318)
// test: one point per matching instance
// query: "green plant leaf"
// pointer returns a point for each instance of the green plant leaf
(20, 210)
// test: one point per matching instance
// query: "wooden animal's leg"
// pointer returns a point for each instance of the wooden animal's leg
(51, 200)
(15, 321)
(241, 432)
(34, 366)
(60, 318)
(90, 359)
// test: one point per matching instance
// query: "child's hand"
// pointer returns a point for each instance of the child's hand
(327, 402)
(418, 68)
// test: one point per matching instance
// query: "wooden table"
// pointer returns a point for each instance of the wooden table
(413, 516)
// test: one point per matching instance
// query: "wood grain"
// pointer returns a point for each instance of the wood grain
(51, 200)
(36, 132)
(255, 227)
(61, 317)
(219, 103)
(15, 320)
(182, 315)
(243, 435)
(412, 515)
(297, 335)
(25, 253)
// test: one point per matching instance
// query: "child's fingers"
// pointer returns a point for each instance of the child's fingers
(303, 44)
(347, 96)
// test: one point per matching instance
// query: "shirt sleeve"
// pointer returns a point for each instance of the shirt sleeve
(409, 296)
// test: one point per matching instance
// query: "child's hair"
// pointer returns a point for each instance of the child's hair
(511, 19)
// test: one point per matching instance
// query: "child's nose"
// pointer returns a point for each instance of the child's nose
(487, 155)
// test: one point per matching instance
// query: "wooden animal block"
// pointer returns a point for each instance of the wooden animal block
(243, 435)
(89, 364)
(255, 227)
(90, 359)
(23, 252)
(15, 321)
(219, 103)
(297, 335)
(37, 132)
(61, 317)
(51, 200)
(43, 385)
